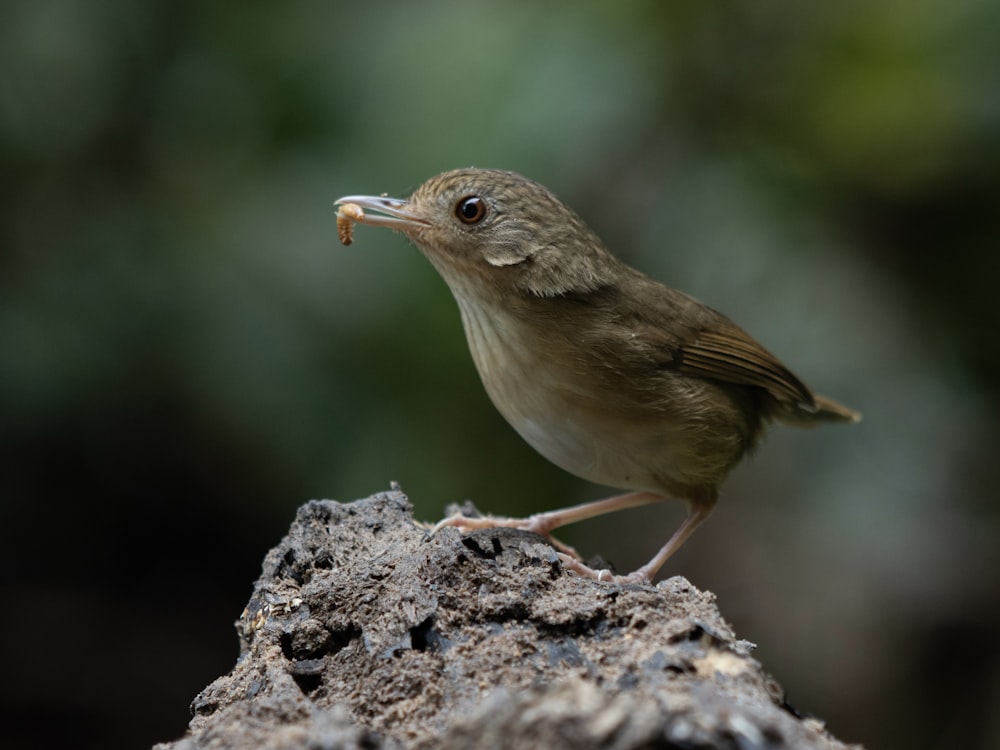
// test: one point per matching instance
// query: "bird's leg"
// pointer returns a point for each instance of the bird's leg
(697, 513)
(547, 522)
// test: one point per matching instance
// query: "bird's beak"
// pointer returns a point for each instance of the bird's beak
(392, 212)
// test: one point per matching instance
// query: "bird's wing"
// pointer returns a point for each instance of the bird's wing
(726, 352)
(696, 341)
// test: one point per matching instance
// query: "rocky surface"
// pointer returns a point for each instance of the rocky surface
(365, 632)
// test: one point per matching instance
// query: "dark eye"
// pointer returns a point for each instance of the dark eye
(470, 210)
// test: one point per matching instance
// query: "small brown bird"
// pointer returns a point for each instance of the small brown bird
(610, 375)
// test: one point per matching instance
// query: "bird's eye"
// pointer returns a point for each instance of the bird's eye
(470, 210)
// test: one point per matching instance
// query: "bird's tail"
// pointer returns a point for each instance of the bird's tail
(823, 410)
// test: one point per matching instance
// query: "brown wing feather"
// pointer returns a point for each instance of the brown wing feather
(691, 338)
(729, 354)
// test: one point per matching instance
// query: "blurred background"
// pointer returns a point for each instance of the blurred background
(187, 354)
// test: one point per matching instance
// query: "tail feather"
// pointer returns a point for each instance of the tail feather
(822, 410)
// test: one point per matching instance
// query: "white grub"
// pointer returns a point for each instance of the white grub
(347, 214)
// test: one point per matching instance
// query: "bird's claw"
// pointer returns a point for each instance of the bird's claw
(573, 565)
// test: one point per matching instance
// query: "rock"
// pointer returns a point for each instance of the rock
(365, 632)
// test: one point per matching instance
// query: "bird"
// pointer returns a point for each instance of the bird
(609, 374)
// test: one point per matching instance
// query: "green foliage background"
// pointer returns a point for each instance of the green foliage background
(187, 354)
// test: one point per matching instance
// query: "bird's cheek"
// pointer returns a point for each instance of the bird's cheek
(500, 254)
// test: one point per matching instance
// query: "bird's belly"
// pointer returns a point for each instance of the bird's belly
(535, 393)
(582, 450)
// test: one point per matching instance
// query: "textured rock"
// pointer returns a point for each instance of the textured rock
(364, 632)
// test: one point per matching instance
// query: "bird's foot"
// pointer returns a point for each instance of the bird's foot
(574, 565)
(537, 524)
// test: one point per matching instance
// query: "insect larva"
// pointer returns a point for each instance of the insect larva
(347, 214)
(345, 230)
